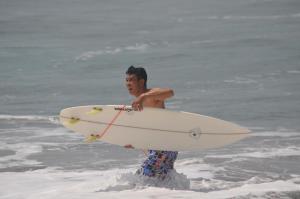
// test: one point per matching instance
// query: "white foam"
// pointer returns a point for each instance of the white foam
(23, 117)
(90, 54)
(195, 168)
(208, 185)
(241, 80)
(130, 180)
(37, 118)
(263, 153)
(35, 132)
(138, 47)
(276, 134)
(49, 184)
(22, 151)
(22, 146)
(39, 132)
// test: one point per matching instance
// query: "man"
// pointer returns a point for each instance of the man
(158, 163)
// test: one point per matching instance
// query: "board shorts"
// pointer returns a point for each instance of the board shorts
(158, 163)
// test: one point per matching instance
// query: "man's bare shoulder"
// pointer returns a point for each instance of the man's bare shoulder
(155, 97)
(160, 90)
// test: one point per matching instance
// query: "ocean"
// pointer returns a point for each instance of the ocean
(237, 60)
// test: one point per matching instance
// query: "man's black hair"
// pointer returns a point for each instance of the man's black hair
(139, 72)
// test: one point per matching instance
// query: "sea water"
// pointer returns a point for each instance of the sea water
(237, 60)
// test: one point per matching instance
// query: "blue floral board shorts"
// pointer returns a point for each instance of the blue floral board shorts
(158, 163)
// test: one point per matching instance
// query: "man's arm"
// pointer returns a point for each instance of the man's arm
(158, 94)
(155, 94)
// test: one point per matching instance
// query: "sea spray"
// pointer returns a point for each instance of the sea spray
(127, 181)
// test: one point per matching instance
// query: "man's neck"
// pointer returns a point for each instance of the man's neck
(144, 90)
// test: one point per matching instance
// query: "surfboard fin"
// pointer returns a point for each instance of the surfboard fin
(91, 138)
(95, 110)
(71, 121)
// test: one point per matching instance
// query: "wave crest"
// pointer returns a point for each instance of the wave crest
(30, 118)
(108, 51)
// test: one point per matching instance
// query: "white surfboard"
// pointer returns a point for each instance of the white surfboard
(151, 128)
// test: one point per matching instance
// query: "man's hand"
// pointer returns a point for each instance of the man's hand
(128, 146)
(137, 104)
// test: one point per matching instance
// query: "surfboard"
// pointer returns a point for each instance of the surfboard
(151, 128)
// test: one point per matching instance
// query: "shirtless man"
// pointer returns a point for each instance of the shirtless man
(158, 163)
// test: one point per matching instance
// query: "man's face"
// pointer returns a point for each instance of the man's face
(133, 84)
